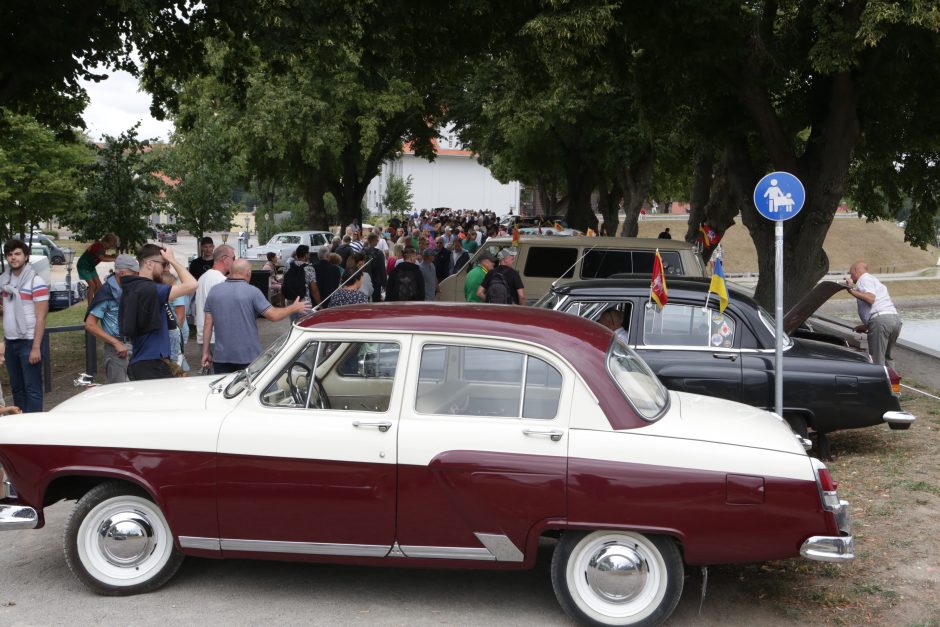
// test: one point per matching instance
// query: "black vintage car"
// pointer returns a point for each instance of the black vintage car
(731, 355)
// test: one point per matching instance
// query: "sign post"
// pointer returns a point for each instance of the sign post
(779, 196)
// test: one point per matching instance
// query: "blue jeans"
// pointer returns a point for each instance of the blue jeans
(25, 378)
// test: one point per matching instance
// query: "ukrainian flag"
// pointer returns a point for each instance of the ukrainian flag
(718, 285)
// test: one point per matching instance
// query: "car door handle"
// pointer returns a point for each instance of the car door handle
(381, 426)
(730, 356)
(554, 434)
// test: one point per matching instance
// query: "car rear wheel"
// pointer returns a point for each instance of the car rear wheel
(117, 541)
(617, 577)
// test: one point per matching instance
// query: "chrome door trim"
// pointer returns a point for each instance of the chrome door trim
(449, 552)
(305, 548)
(203, 544)
(500, 546)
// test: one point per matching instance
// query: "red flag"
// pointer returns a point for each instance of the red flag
(658, 291)
(515, 235)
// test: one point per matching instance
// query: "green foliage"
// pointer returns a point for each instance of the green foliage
(40, 175)
(398, 197)
(121, 193)
(199, 178)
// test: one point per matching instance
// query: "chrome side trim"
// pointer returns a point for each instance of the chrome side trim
(203, 544)
(395, 551)
(500, 546)
(17, 517)
(305, 548)
(449, 552)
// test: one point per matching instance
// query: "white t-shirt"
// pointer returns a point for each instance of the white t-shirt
(30, 295)
(882, 304)
(209, 279)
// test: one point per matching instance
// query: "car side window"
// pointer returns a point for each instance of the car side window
(475, 381)
(552, 262)
(594, 310)
(291, 387)
(687, 325)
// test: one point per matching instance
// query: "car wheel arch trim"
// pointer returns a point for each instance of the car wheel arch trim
(105, 474)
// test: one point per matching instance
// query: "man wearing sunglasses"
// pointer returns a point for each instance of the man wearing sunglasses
(143, 311)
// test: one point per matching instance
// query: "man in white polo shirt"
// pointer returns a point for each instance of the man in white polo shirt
(880, 319)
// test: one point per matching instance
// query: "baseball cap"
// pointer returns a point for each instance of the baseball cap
(429, 252)
(487, 256)
(126, 262)
(507, 252)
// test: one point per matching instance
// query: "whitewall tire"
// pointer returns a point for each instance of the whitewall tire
(117, 541)
(617, 577)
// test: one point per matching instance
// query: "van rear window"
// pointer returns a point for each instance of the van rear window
(553, 262)
(600, 264)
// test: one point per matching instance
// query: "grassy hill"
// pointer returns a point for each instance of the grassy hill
(881, 244)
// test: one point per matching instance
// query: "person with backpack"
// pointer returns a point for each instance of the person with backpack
(503, 285)
(300, 280)
(376, 268)
(406, 282)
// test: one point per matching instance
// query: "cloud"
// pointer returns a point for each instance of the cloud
(116, 104)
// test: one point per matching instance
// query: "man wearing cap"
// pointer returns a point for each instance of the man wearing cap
(103, 320)
(475, 276)
(504, 273)
(429, 272)
(406, 281)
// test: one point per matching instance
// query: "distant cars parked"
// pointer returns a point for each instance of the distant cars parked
(56, 255)
(731, 355)
(284, 244)
(165, 233)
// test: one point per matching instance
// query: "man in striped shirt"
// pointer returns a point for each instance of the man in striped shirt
(25, 299)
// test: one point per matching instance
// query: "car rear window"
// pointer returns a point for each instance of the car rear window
(635, 379)
(553, 262)
(600, 264)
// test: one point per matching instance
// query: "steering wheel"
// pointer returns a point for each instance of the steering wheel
(323, 401)
(297, 378)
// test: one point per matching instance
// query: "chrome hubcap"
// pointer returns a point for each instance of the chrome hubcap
(617, 573)
(126, 539)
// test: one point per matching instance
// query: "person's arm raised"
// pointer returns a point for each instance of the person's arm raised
(187, 284)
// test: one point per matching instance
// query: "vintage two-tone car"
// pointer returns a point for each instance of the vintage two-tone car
(731, 355)
(427, 434)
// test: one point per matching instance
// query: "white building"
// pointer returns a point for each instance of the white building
(454, 179)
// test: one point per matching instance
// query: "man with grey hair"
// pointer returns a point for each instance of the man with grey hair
(880, 319)
(230, 313)
(222, 258)
(103, 320)
(329, 275)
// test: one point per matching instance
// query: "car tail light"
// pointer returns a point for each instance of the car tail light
(894, 380)
(827, 487)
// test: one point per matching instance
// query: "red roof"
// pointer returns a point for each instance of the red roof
(408, 150)
(582, 342)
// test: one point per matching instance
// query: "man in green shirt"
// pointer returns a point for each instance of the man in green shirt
(475, 276)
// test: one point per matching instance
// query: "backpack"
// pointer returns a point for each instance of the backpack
(407, 290)
(295, 283)
(498, 292)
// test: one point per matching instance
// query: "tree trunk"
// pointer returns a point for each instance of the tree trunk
(314, 189)
(580, 187)
(608, 204)
(635, 180)
(702, 177)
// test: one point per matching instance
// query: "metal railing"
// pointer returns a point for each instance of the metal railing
(91, 354)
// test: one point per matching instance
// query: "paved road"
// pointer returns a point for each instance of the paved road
(37, 588)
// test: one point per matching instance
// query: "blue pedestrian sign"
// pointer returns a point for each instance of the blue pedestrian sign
(779, 196)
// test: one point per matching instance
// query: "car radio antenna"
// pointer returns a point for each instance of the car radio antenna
(571, 267)
(352, 276)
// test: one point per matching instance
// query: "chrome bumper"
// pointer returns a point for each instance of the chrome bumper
(829, 548)
(18, 517)
(898, 417)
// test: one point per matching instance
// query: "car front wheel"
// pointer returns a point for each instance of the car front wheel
(617, 577)
(117, 541)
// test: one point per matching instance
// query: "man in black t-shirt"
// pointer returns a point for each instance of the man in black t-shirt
(199, 265)
(508, 280)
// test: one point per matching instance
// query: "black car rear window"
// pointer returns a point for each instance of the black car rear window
(553, 262)
(600, 264)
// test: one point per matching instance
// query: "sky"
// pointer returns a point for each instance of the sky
(116, 104)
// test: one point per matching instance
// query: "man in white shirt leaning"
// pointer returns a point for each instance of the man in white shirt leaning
(880, 319)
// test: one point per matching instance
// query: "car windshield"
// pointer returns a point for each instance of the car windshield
(771, 325)
(243, 378)
(549, 301)
(635, 379)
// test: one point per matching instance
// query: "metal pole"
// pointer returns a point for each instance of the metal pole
(778, 317)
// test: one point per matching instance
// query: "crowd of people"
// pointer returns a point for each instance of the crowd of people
(141, 311)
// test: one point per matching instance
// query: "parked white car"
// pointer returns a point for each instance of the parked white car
(284, 244)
